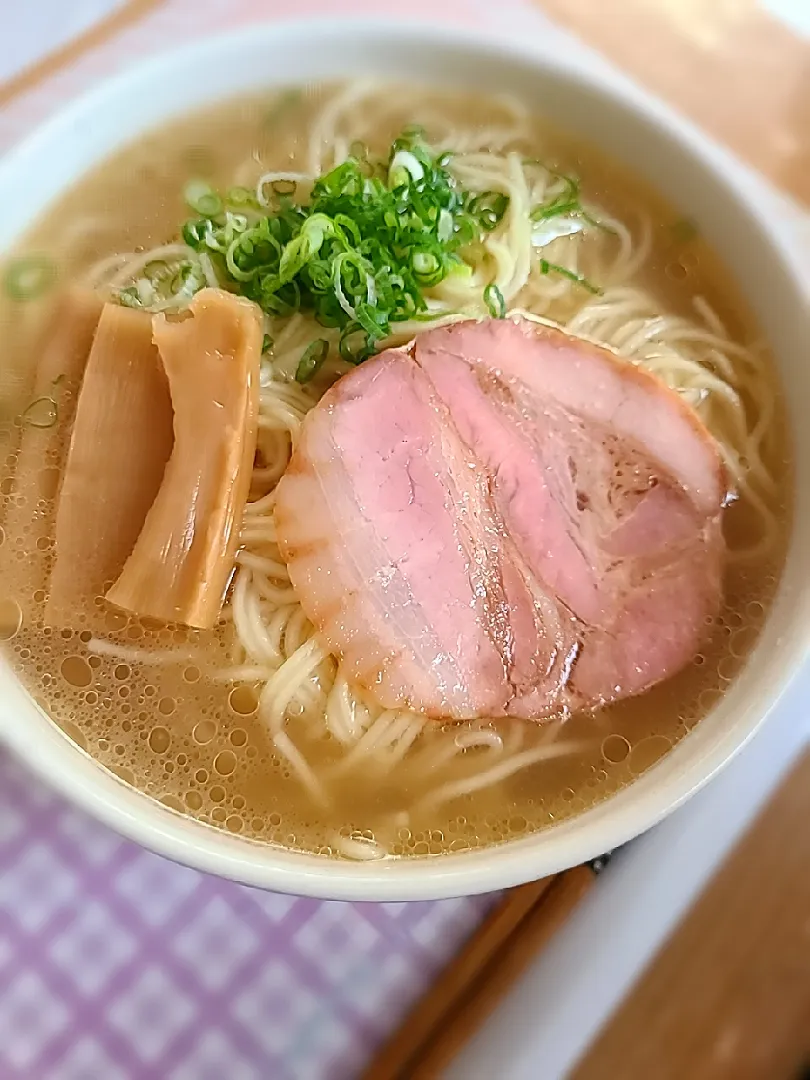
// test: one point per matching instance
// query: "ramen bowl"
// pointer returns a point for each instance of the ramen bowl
(646, 137)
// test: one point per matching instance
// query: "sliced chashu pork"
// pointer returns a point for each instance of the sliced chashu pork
(502, 519)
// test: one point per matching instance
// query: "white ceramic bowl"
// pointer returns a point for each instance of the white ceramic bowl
(691, 172)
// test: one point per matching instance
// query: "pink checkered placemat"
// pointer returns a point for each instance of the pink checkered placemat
(116, 964)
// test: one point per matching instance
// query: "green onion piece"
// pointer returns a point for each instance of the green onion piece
(547, 267)
(358, 254)
(311, 360)
(555, 209)
(490, 207)
(28, 277)
(267, 343)
(43, 412)
(130, 297)
(202, 198)
(493, 298)
(155, 270)
(240, 196)
(354, 346)
(405, 168)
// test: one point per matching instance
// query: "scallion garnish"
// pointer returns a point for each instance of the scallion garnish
(267, 343)
(201, 197)
(547, 267)
(493, 298)
(360, 252)
(490, 207)
(30, 276)
(130, 297)
(240, 196)
(568, 202)
(311, 360)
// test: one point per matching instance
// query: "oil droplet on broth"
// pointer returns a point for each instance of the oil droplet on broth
(193, 800)
(172, 802)
(76, 671)
(159, 740)
(10, 619)
(615, 748)
(204, 732)
(645, 753)
(225, 762)
(243, 700)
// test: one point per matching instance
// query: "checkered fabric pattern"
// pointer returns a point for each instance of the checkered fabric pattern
(116, 964)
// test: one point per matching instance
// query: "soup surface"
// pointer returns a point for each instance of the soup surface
(251, 726)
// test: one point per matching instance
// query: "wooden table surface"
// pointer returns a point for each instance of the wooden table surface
(735, 69)
(728, 997)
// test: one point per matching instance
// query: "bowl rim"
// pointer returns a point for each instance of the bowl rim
(57, 760)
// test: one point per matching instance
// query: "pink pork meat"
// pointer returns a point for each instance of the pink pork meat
(501, 519)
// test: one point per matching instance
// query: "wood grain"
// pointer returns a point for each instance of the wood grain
(728, 996)
(431, 1011)
(734, 69)
(489, 989)
(98, 34)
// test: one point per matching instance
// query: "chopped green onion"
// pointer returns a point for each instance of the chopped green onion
(43, 412)
(202, 198)
(30, 276)
(311, 360)
(555, 209)
(595, 223)
(155, 270)
(360, 252)
(240, 196)
(490, 207)
(130, 297)
(547, 267)
(267, 343)
(405, 167)
(493, 298)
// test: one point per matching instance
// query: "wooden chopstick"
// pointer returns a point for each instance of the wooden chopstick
(470, 987)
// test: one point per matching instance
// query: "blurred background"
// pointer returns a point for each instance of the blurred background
(689, 959)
